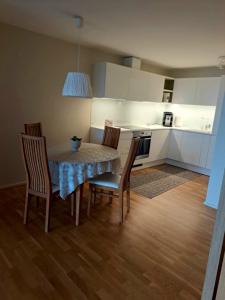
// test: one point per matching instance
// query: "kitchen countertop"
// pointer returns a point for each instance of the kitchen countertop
(160, 127)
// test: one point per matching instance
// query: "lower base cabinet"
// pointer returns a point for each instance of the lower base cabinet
(159, 145)
(186, 147)
(191, 148)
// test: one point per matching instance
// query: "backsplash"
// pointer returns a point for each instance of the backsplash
(148, 113)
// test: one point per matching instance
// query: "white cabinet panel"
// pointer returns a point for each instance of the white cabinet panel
(206, 141)
(207, 90)
(175, 141)
(196, 91)
(156, 86)
(139, 85)
(145, 86)
(191, 148)
(96, 135)
(210, 152)
(184, 91)
(117, 81)
(159, 145)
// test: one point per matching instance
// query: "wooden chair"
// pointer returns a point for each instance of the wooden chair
(37, 172)
(111, 137)
(33, 129)
(113, 185)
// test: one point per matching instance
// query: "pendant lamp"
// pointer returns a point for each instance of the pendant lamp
(77, 84)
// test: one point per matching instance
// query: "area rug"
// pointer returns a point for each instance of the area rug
(160, 180)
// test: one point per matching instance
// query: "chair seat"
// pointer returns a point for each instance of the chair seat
(108, 180)
(55, 188)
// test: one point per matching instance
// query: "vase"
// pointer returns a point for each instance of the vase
(75, 145)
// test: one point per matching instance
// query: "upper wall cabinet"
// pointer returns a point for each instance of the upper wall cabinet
(110, 81)
(196, 91)
(119, 82)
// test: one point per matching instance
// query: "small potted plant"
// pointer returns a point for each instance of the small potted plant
(75, 143)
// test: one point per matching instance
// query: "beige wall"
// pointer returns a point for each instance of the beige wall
(196, 72)
(32, 72)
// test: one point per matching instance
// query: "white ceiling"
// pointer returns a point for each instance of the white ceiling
(173, 33)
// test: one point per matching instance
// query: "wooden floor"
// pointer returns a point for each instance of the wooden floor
(159, 253)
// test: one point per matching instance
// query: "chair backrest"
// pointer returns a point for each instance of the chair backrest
(125, 178)
(33, 129)
(111, 137)
(36, 164)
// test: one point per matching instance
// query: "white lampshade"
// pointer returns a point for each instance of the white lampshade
(77, 85)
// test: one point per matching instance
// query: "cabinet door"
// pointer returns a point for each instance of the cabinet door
(210, 152)
(207, 90)
(184, 91)
(159, 145)
(175, 140)
(117, 81)
(205, 147)
(139, 85)
(156, 87)
(145, 86)
(191, 148)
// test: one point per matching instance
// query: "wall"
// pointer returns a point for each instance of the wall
(218, 162)
(32, 71)
(147, 113)
(196, 72)
(216, 197)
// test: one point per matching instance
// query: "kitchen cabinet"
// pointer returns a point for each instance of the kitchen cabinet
(211, 144)
(191, 148)
(119, 82)
(159, 145)
(145, 86)
(96, 136)
(196, 91)
(184, 91)
(207, 90)
(175, 141)
(111, 81)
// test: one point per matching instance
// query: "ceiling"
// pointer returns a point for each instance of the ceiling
(172, 33)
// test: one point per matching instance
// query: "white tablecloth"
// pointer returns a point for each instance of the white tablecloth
(70, 169)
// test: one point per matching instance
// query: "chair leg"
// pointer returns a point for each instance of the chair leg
(110, 197)
(77, 207)
(128, 199)
(72, 198)
(94, 198)
(26, 208)
(37, 202)
(121, 206)
(89, 200)
(47, 213)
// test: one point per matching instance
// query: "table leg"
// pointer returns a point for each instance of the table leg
(78, 199)
(72, 198)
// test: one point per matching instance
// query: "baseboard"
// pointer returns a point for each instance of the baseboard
(12, 185)
(149, 164)
(210, 204)
(190, 167)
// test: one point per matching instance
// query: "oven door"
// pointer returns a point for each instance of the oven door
(144, 147)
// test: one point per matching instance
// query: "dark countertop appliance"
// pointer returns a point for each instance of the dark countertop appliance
(168, 119)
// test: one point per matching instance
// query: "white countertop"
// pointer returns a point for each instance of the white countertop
(160, 127)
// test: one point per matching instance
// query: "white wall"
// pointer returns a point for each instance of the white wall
(216, 197)
(218, 163)
(147, 113)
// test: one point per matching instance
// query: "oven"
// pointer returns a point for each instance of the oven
(145, 143)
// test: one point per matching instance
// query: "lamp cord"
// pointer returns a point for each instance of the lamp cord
(78, 49)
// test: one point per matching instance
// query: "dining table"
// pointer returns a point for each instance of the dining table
(69, 169)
